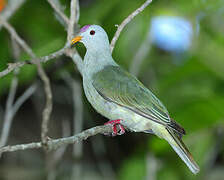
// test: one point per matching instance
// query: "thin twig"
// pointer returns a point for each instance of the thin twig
(15, 35)
(57, 9)
(77, 12)
(29, 92)
(48, 106)
(56, 143)
(10, 9)
(69, 52)
(11, 95)
(10, 113)
(11, 109)
(73, 19)
(12, 66)
(7, 121)
(126, 21)
(16, 50)
(47, 87)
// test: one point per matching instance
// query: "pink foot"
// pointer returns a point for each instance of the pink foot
(118, 129)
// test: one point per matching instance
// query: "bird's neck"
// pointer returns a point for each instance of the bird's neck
(95, 61)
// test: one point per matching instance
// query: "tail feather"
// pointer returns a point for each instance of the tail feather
(179, 147)
(175, 126)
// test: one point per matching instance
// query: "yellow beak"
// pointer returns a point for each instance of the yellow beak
(76, 39)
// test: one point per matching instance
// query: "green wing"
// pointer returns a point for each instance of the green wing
(118, 86)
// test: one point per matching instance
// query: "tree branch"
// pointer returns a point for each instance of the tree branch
(48, 106)
(56, 143)
(126, 21)
(29, 91)
(47, 87)
(12, 66)
(15, 35)
(8, 116)
(10, 9)
(74, 17)
(58, 11)
(11, 111)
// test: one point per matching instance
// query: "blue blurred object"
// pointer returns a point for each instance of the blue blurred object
(171, 33)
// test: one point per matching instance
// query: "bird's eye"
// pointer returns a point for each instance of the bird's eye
(92, 32)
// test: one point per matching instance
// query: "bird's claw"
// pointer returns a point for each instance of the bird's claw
(118, 129)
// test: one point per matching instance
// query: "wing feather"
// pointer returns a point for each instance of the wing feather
(120, 87)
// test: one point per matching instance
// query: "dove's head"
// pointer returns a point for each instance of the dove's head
(93, 37)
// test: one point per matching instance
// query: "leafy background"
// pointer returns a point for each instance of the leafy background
(192, 90)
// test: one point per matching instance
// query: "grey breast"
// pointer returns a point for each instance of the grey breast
(102, 106)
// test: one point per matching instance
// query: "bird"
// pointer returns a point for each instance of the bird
(122, 98)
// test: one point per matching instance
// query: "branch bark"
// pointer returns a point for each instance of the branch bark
(12, 66)
(10, 9)
(15, 35)
(74, 18)
(57, 9)
(8, 116)
(56, 143)
(126, 21)
(47, 87)
(11, 111)
(11, 107)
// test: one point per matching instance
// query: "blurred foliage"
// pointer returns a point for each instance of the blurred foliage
(192, 90)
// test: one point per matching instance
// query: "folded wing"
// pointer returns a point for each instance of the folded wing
(118, 86)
